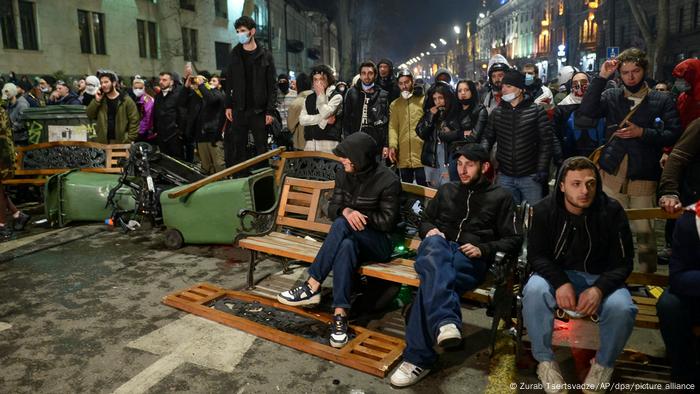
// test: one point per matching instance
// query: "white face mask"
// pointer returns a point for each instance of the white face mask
(406, 94)
(138, 92)
(509, 97)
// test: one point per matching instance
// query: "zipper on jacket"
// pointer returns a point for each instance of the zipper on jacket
(556, 246)
(465, 218)
(590, 244)
(622, 246)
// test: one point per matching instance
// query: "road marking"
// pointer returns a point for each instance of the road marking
(189, 339)
(5, 326)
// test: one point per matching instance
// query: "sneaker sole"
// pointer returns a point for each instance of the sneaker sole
(338, 345)
(449, 343)
(408, 384)
(310, 302)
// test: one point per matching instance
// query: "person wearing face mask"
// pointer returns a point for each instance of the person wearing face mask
(438, 128)
(251, 86)
(341, 87)
(577, 134)
(285, 96)
(534, 87)
(639, 124)
(443, 77)
(91, 86)
(115, 114)
(144, 104)
(687, 86)
(366, 108)
(472, 121)
(524, 136)
(322, 112)
(16, 105)
(405, 146)
(498, 66)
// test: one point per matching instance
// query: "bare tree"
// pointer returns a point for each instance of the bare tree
(655, 40)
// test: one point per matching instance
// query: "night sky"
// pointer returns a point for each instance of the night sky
(406, 28)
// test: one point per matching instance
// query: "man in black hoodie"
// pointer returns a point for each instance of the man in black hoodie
(387, 80)
(251, 85)
(462, 229)
(364, 209)
(366, 109)
(580, 249)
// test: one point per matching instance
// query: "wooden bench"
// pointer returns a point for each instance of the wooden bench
(35, 163)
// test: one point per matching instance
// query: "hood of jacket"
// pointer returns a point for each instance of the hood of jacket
(361, 149)
(689, 70)
(443, 71)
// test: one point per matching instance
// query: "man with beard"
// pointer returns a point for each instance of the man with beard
(387, 80)
(578, 135)
(63, 95)
(169, 120)
(534, 87)
(497, 69)
(366, 109)
(460, 241)
(580, 249)
(639, 124)
(116, 115)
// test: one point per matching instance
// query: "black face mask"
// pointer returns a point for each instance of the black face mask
(469, 101)
(283, 86)
(635, 88)
(418, 90)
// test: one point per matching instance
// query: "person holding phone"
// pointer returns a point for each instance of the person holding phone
(640, 122)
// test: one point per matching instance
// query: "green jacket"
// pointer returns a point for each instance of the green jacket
(404, 116)
(126, 124)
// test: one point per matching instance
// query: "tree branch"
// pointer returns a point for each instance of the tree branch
(640, 17)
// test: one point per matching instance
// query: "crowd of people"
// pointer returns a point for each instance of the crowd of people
(580, 153)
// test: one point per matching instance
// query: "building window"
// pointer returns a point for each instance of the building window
(589, 31)
(148, 40)
(220, 8)
(187, 4)
(222, 50)
(189, 44)
(27, 25)
(91, 28)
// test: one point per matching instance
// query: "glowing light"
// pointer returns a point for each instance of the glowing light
(457, 29)
(432, 45)
(443, 42)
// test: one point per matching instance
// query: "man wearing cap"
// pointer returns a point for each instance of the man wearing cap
(16, 105)
(462, 229)
(498, 66)
(524, 136)
(63, 95)
(364, 209)
(405, 146)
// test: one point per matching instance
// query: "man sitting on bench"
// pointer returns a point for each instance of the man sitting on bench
(580, 249)
(364, 209)
(462, 229)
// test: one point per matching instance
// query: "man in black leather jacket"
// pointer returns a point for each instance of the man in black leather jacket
(364, 209)
(366, 109)
(462, 229)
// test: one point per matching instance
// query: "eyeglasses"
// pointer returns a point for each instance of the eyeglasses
(578, 85)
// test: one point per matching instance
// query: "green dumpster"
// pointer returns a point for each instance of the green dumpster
(40, 120)
(82, 196)
(209, 215)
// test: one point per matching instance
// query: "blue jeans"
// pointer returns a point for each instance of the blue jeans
(616, 317)
(523, 188)
(342, 251)
(445, 273)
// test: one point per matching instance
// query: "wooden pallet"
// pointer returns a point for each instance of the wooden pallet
(369, 351)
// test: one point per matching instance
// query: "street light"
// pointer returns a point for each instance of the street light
(432, 45)
(481, 15)
(427, 53)
(457, 29)
(443, 42)
(422, 54)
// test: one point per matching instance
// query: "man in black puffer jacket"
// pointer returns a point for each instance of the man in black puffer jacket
(462, 229)
(366, 109)
(387, 79)
(210, 144)
(364, 209)
(524, 136)
(580, 249)
(630, 160)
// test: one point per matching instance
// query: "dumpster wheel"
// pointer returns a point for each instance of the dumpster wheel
(173, 239)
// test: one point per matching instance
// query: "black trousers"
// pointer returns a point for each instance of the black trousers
(236, 137)
(171, 145)
(677, 315)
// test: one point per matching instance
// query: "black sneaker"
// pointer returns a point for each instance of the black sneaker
(5, 233)
(339, 331)
(300, 296)
(22, 221)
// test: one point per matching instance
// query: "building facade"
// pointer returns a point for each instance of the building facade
(145, 37)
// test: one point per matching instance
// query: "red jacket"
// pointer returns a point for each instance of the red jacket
(688, 103)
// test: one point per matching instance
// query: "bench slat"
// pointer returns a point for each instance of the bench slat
(297, 209)
(303, 224)
(296, 196)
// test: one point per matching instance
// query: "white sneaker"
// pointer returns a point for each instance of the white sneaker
(300, 296)
(550, 376)
(449, 336)
(407, 374)
(598, 379)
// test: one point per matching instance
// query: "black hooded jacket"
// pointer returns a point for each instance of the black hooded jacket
(389, 83)
(599, 241)
(264, 82)
(479, 213)
(443, 126)
(372, 189)
(377, 113)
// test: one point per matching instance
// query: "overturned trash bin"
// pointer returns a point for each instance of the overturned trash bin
(209, 214)
(81, 196)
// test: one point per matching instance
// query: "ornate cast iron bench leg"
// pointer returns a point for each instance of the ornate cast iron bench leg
(251, 269)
